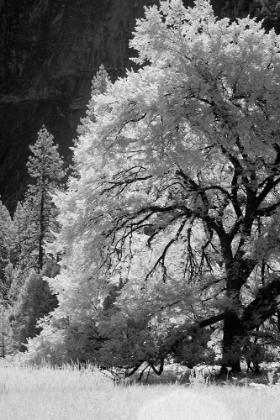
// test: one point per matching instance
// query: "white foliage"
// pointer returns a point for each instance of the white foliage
(186, 148)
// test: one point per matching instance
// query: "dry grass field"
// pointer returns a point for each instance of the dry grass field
(69, 394)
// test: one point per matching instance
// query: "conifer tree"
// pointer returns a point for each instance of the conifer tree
(38, 212)
(20, 268)
(99, 85)
(35, 301)
(34, 224)
(6, 251)
(4, 341)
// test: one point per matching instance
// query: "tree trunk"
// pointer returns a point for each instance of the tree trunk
(233, 333)
(238, 271)
(42, 231)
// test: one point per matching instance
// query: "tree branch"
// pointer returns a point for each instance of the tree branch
(263, 306)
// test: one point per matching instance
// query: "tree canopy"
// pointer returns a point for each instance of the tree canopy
(175, 200)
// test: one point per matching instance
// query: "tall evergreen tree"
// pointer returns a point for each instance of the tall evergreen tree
(99, 85)
(6, 251)
(34, 224)
(35, 300)
(39, 213)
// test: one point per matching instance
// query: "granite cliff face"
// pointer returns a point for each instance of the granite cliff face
(49, 52)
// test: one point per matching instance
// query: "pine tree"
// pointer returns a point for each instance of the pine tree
(34, 301)
(38, 214)
(34, 225)
(20, 268)
(6, 251)
(99, 85)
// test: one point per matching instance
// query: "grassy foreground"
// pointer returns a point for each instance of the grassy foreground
(48, 394)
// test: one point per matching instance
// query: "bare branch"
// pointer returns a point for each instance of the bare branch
(161, 260)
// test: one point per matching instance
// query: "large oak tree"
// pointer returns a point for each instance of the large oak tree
(176, 195)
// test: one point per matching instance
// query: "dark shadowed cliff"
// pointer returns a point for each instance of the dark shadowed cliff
(49, 52)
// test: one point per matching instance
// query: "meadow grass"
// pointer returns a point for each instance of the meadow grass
(69, 394)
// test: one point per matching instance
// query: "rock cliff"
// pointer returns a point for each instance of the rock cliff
(49, 52)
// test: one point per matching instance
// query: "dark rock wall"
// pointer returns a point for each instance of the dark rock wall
(49, 52)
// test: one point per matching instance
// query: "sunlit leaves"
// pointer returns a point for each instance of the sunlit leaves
(177, 174)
